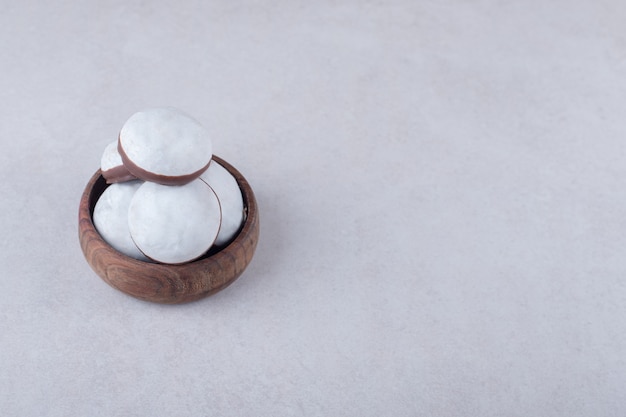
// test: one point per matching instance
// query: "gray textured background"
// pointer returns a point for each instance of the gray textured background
(442, 189)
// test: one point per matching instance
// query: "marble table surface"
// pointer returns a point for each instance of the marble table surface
(442, 191)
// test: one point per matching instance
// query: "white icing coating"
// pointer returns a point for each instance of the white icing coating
(167, 142)
(231, 200)
(110, 157)
(174, 224)
(110, 216)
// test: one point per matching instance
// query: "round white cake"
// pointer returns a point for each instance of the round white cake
(165, 145)
(112, 167)
(231, 200)
(174, 224)
(110, 216)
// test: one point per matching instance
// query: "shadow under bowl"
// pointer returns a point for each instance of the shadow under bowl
(162, 283)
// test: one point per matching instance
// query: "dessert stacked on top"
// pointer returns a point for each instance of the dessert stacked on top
(168, 201)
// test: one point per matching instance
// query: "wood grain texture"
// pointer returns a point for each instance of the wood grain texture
(169, 284)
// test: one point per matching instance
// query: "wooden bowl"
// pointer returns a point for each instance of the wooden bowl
(169, 284)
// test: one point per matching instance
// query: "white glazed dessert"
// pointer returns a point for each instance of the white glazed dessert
(231, 200)
(110, 216)
(185, 202)
(112, 167)
(164, 145)
(174, 224)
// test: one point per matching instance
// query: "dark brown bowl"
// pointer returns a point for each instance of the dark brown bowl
(169, 284)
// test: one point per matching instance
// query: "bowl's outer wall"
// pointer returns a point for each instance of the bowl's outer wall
(170, 284)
